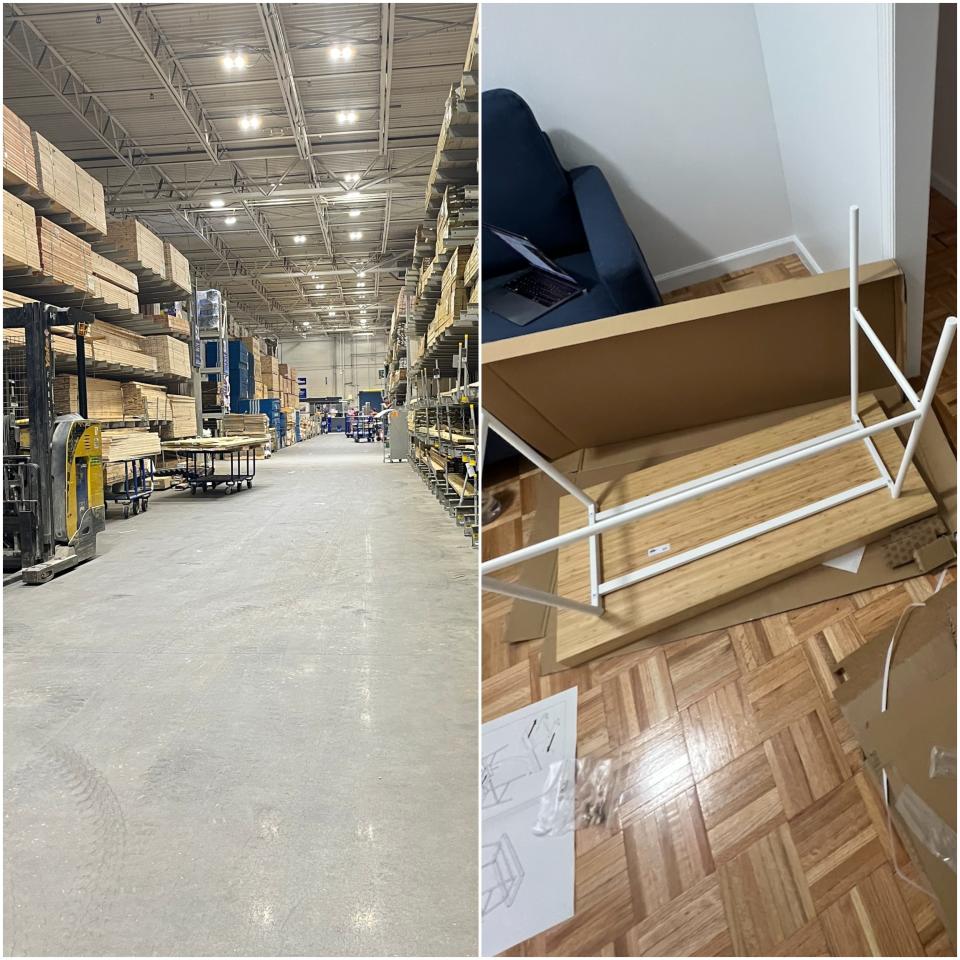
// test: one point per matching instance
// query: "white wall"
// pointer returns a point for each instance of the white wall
(671, 101)
(337, 365)
(823, 71)
(944, 165)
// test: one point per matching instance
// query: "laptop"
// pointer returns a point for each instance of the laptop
(536, 291)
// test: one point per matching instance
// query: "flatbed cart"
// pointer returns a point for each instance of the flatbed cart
(203, 455)
(365, 429)
(133, 492)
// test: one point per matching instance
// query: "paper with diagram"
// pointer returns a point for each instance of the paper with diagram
(526, 880)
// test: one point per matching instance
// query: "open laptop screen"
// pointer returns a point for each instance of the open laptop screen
(530, 253)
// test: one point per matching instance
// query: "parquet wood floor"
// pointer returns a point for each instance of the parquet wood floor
(748, 826)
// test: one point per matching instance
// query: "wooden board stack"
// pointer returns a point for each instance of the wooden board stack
(104, 399)
(183, 418)
(137, 246)
(21, 247)
(126, 443)
(177, 267)
(152, 324)
(172, 355)
(112, 272)
(63, 256)
(458, 218)
(112, 295)
(19, 157)
(69, 186)
(145, 400)
(453, 295)
(245, 425)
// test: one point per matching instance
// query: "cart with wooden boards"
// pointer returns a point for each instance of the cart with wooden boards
(202, 455)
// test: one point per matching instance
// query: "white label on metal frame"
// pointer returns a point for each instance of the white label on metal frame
(656, 551)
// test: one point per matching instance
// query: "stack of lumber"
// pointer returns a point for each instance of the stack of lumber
(63, 256)
(126, 443)
(137, 245)
(471, 273)
(172, 355)
(177, 267)
(258, 389)
(145, 400)
(104, 399)
(458, 217)
(453, 294)
(183, 418)
(424, 242)
(245, 425)
(19, 157)
(112, 294)
(69, 186)
(108, 270)
(15, 299)
(21, 247)
(152, 324)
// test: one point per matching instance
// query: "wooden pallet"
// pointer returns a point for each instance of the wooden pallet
(646, 607)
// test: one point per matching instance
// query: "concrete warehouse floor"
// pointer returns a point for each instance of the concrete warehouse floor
(248, 727)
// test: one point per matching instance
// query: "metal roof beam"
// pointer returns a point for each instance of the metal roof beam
(157, 51)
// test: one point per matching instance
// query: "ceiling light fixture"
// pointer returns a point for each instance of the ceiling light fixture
(351, 177)
(351, 195)
(319, 286)
(299, 238)
(362, 273)
(361, 284)
(230, 221)
(216, 203)
(250, 123)
(354, 213)
(341, 53)
(235, 61)
(356, 234)
(331, 313)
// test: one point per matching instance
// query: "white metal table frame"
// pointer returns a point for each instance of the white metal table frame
(600, 521)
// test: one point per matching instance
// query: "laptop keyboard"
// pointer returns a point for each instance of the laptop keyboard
(541, 288)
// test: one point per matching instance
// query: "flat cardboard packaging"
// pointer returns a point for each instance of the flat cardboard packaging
(921, 714)
(791, 313)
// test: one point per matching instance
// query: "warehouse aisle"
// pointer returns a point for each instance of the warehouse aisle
(249, 726)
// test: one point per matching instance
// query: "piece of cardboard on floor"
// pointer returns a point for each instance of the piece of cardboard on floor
(921, 714)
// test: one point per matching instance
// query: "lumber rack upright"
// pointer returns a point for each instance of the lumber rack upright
(600, 521)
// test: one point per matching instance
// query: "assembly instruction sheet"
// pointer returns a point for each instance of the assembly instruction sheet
(527, 880)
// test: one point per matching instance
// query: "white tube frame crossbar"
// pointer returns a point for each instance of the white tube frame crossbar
(600, 521)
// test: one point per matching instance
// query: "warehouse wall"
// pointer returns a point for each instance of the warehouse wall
(337, 365)
(671, 101)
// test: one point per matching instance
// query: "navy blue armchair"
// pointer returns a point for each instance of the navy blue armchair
(572, 216)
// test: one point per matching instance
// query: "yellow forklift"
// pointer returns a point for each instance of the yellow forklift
(53, 505)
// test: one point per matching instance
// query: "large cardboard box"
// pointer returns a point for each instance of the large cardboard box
(742, 361)
(921, 715)
(692, 363)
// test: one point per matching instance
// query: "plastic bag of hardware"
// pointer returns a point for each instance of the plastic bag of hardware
(936, 835)
(943, 762)
(579, 794)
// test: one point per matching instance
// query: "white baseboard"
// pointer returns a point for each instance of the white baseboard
(942, 185)
(738, 260)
